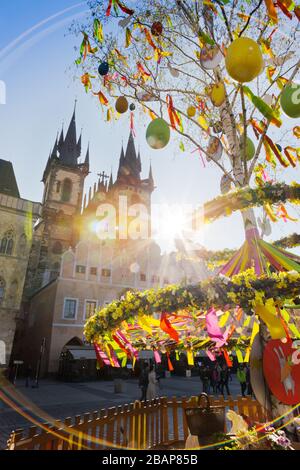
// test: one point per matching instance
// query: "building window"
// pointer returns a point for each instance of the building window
(70, 309)
(106, 272)
(93, 271)
(80, 269)
(90, 308)
(57, 248)
(7, 243)
(143, 277)
(66, 190)
(2, 289)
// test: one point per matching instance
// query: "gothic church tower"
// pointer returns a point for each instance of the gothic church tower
(56, 231)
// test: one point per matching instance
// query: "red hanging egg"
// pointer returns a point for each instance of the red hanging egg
(157, 28)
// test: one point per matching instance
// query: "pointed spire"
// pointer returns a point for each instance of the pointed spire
(111, 182)
(79, 143)
(130, 165)
(70, 152)
(87, 157)
(61, 139)
(150, 178)
(139, 162)
(55, 148)
(130, 155)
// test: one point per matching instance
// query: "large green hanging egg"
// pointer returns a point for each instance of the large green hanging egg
(250, 149)
(290, 100)
(158, 134)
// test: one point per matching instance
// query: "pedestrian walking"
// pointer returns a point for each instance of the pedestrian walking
(152, 382)
(144, 381)
(241, 376)
(204, 376)
(215, 378)
(224, 380)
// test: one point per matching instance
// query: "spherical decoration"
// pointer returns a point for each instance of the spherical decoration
(157, 28)
(218, 94)
(103, 69)
(214, 149)
(132, 107)
(191, 111)
(158, 134)
(250, 149)
(121, 105)
(290, 100)
(244, 60)
(210, 57)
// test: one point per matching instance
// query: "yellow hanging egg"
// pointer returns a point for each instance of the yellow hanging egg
(244, 60)
(218, 94)
(191, 111)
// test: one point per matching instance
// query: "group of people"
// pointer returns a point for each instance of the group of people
(148, 382)
(217, 378)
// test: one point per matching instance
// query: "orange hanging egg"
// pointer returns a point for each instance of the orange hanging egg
(191, 111)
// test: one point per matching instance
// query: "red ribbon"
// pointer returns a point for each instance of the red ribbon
(120, 5)
(174, 119)
(132, 124)
(170, 365)
(166, 326)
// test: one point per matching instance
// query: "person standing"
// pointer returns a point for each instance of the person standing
(224, 380)
(151, 390)
(144, 381)
(215, 378)
(241, 376)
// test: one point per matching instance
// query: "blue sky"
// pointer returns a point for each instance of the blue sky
(39, 76)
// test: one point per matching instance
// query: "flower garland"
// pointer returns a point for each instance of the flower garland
(246, 198)
(245, 289)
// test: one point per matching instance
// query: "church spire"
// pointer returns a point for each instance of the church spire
(129, 165)
(70, 151)
(111, 182)
(150, 178)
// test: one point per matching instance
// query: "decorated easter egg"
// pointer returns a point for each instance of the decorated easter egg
(225, 184)
(218, 94)
(121, 105)
(158, 134)
(191, 111)
(214, 149)
(250, 149)
(157, 28)
(103, 69)
(210, 57)
(290, 100)
(244, 60)
(132, 107)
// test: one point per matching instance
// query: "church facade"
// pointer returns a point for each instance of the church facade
(72, 268)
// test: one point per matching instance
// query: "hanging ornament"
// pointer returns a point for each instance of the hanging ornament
(257, 375)
(225, 184)
(210, 57)
(214, 149)
(173, 72)
(250, 149)
(191, 111)
(157, 28)
(290, 100)
(103, 69)
(217, 127)
(132, 107)
(121, 105)
(244, 60)
(218, 94)
(144, 96)
(158, 134)
(268, 99)
(125, 22)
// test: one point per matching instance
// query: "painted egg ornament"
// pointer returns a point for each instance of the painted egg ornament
(218, 94)
(225, 184)
(290, 100)
(217, 127)
(173, 72)
(158, 134)
(214, 150)
(210, 57)
(132, 107)
(121, 105)
(244, 60)
(250, 149)
(157, 28)
(103, 69)
(191, 111)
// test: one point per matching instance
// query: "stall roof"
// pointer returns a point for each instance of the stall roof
(83, 353)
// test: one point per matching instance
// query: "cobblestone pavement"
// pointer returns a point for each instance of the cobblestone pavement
(60, 400)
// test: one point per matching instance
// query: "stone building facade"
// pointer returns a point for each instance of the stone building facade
(17, 217)
(72, 270)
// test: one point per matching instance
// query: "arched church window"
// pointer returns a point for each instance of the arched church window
(2, 289)
(66, 190)
(7, 243)
(57, 248)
